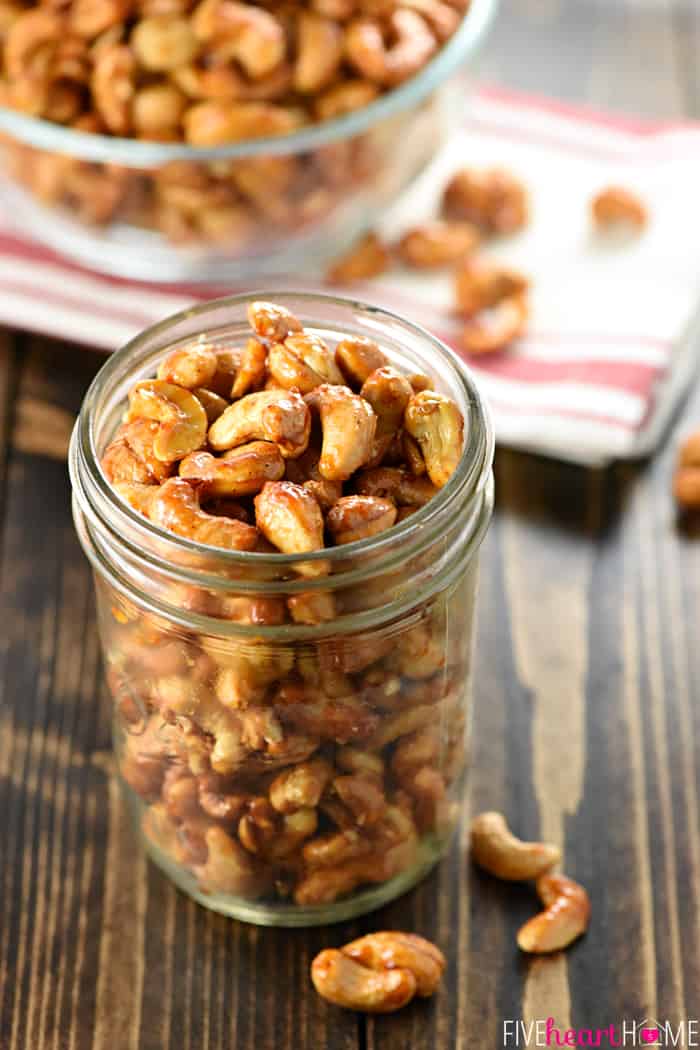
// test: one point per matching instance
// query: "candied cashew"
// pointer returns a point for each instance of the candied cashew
(480, 285)
(250, 35)
(566, 916)
(492, 199)
(411, 44)
(213, 404)
(252, 371)
(354, 518)
(281, 417)
(357, 357)
(113, 87)
(348, 423)
(616, 206)
(396, 484)
(29, 41)
(270, 321)
(388, 392)
(312, 607)
(241, 471)
(686, 479)
(157, 110)
(344, 982)
(497, 327)
(183, 421)
(164, 43)
(216, 123)
(362, 795)
(391, 950)
(290, 518)
(130, 456)
(302, 362)
(436, 423)
(367, 258)
(320, 46)
(496, 849)
(300, 786)
(437, 243)
(189, 367)
(175, 507)
(304, 471)
(229, 868)
(345, 97)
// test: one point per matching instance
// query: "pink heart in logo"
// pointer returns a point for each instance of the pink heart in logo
(649, 1035)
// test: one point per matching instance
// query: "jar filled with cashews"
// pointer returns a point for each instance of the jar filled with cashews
(291, 732)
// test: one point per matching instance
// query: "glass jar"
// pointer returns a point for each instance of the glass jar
(291, 735)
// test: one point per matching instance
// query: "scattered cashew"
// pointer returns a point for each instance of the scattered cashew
(279, 416)
(497, 327)
(182, 418)
(616, 206)
(437, 243)
(493, 199)
(436, 423)
(348, 425)
(496, 849)
(367, 258)
(480, 285)
(378, 973)
(241, 471)
(354, 518)
(566, 916)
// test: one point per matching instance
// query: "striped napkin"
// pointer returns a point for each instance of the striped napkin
(614, 333)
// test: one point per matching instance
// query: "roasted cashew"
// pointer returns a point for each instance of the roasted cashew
(396, 484)
(496, 849)
(312, 608)
(174, 506)
(190, 367)
(496, 328)
(367, 258)
(320, 45)
(357, 357)
(437, 425)
(391, 950)
(218, 123)
(250, 35)
(354, 760)
(362, 795)
(348, 423)
(212, 403)
(303, 361)
(388, 392)
(345, 97)
(290, 518)
(240, 472)
(493, 199)
(616, 206)
(354, 518)
(183, 421)
(304, 471)
(270, 321)
(341, 980)
(31, 42)
(91, 18)
(130, 457)
(438, 243)
(686, 479)
(269, 415)
(251, 373)
(113, 87)
(390, 64)
(566, 916)
(164, 43)
(229, 868)
(300, 786)
(157, 110)
(420, 382)
(480, 285)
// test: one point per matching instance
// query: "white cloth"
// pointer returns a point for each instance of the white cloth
(614, 332)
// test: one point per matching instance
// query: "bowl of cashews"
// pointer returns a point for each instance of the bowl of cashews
(181, 140)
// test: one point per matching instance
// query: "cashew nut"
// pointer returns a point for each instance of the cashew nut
(269, 415)
(251, 373)
(378, 973)
(357, 357)
(113, 86)
(190, 367)
(164, 43)
(367, 258)
(290, 518)
(616, 206)
(250, 35)
(174, 506)
(566, 916)
(354, 518)
(438, 243)
(493, 199)
(270, 321)
(396, 484)
(480, 285)
(686, 480)
(388, 392)
(130, 457)
(320, 46)
(496, 849)
(304, 362)
(240, 472)
(229, 868)
(348, 425)
(496, 328)
(413, 45)
(437, 425)
(301, 786)
(183, 421)
(213, 404)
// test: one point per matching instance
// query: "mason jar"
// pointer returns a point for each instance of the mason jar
(291, 736)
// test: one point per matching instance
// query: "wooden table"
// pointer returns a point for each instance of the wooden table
(587, 720)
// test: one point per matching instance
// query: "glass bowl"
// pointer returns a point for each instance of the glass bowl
(173, 212)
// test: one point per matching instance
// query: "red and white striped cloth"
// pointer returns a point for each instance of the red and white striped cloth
(615, 329)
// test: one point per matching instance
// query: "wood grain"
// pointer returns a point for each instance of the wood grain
(586, 719)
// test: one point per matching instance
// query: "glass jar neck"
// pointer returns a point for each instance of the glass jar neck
(155, 568)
